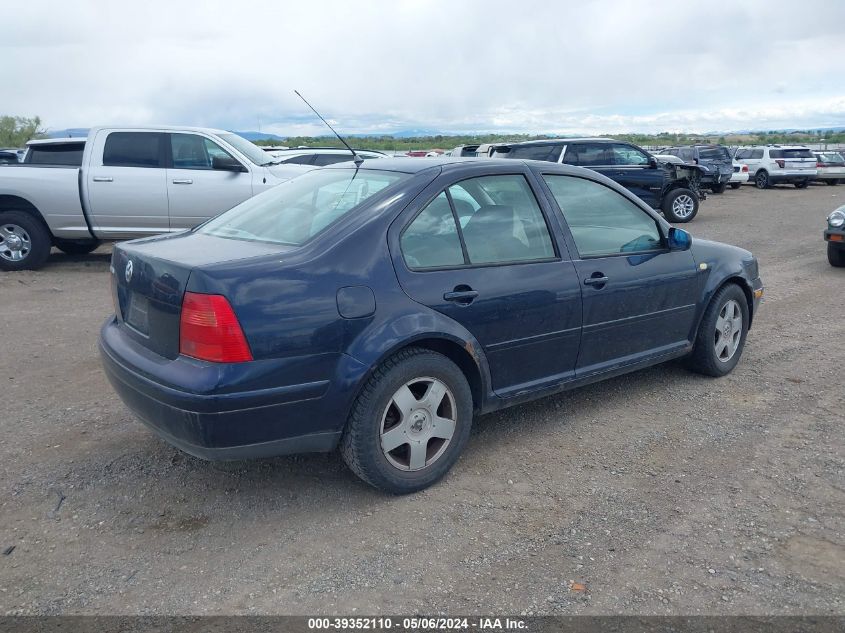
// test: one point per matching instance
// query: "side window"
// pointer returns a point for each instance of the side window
(742, 154)
(756, 154)
(588, 154)
(501, 220)
(304, 159)
(549, 153)
(627, 155)
(321, 160)
(602, 221)
(133, 149)
(432, 240)
(191, 151)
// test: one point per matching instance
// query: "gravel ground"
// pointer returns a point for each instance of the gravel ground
(661, 492)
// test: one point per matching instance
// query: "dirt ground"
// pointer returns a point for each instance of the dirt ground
(661, 492)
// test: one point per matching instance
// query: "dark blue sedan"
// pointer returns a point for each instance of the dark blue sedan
(379, 308)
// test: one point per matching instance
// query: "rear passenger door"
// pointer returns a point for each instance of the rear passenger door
(126, 184)
(482, 253)
(639, 298)
(196, 190)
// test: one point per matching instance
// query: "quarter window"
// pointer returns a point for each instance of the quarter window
(133, 149)
(588, 154)
(602, 221)
(431, 240)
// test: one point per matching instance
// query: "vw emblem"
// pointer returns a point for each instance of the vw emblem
(128, 272)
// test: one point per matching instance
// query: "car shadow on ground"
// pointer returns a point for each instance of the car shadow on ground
(98, 258)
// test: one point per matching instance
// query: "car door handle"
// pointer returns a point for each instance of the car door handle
(103, 179)
(182, 181)
(597, 279)
(464, 297)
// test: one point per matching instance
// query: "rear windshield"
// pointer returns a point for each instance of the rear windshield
(295, 211)
(790, 153)
(830, 157)
(713, 153)
(59, 154)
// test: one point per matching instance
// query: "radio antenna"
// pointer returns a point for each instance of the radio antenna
(358, 160)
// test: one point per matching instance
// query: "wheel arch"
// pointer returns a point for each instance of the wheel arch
(746, 290)
(10, 202)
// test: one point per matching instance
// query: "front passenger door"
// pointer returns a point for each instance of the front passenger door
(196, 190)
(633, 170)
(639, 298)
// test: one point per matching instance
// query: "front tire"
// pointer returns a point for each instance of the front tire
(410, 423)
(680, 205)
(835, 255)
(720, 188)
(736, 185)
(721, 335)
(761, 180)
(24, 241)
(802, 185)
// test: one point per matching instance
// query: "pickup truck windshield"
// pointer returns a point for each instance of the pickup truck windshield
(295, 211)
(250, 150)
(714, 153)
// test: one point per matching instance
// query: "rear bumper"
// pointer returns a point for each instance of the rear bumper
(830, 174)
(739, 176)
(226, 423)
(792, 175)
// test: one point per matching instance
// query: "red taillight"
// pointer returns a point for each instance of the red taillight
(209, 330)
(781, 163)
(819, 165)
(745, 168)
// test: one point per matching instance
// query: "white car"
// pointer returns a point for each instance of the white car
(740, 175)
(321, 156)
(830, 167)
(775, 164)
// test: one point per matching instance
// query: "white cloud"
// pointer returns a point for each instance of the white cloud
(383, 65)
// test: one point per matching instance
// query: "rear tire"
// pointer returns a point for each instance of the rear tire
(736, 185)
(836, 255)
(761, 180)
(421, 395)
(24, 241)
(721, 335)
(832, 183)
(802, 185)
(720, 188)
(680, 205)
(77, 248)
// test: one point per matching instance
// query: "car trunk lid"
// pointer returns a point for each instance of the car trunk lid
(149, 278)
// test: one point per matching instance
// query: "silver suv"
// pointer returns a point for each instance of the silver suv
(774, 164)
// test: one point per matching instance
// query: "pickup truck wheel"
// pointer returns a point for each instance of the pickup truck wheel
(410, 422)
(680, 205)
(832, 183)
(24, 241)
(736, 185)
(77, 248)
(762, 180)
(836, 255)
(802, 185)
(721, 335)
(720, 188)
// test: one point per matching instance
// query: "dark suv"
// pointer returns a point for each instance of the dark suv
(670, 188)
(715, 159)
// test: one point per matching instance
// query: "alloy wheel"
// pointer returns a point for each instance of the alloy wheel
(15, 243)
(728, 331)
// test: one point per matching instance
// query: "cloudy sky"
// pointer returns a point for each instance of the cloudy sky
(451, 66)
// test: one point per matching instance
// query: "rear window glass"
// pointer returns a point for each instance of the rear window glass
(713, 153)
(830, 157)
(133, 149)
(295, 211)
(63, 154)
(790, 153)
(549, 153)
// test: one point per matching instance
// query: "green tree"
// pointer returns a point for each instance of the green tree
(15, 131)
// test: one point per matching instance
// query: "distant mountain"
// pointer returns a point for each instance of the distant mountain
(69, 132)
(260, 136)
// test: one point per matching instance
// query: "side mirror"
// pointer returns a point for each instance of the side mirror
(679, 240)
(652, 162)
(226, 164)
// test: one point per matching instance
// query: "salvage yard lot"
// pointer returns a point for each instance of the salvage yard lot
(657, 492)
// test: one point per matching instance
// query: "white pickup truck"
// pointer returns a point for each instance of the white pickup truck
(125, 183)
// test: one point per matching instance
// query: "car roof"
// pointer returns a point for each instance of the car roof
(162, 128)
(412, 166)
(560, 141)
(56, 141)
(326, 150)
